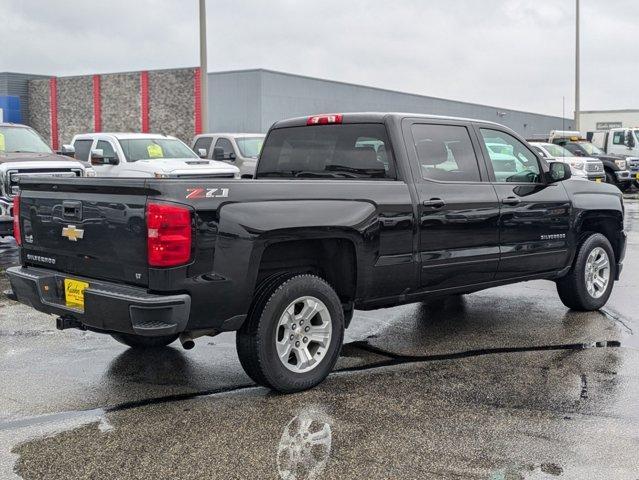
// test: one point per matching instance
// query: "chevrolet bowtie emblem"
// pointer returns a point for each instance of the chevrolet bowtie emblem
(73, 233)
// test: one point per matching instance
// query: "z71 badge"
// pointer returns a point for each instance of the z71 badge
(207, 193)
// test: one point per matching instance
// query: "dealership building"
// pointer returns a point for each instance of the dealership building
(168, 101)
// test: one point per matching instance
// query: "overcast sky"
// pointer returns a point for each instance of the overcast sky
(510, 53)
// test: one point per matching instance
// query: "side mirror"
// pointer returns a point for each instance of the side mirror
(558, 172)
(232, 156)
(218, 153)
(67, 151)
(201, 152)
(97, 156)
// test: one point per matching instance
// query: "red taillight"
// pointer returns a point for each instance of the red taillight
(16, 220)
(168, 235)
(325, 119)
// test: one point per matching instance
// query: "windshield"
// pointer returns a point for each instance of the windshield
(155, 149)
(557, 150)
(591, 149)
(353, 151)
(21, 140)
(250, 147)
(637, 135)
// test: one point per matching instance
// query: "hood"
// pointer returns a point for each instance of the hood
(30, 157)
(187, 165)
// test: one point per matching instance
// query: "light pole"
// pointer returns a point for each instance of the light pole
(204, 87)
(577, 92)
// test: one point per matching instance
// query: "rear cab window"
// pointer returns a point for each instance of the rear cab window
(356, 151)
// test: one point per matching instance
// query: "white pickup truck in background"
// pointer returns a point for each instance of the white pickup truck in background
(239, 149)
(618, 141)
(145, 155)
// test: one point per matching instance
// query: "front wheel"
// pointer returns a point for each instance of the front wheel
(588, 284)
(293, 334)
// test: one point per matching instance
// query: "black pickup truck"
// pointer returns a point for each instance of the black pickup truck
(361, 210)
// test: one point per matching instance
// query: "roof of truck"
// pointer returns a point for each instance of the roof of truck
(374, 117)
(121, 135)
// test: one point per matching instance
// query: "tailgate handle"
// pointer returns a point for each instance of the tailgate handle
(72, 209)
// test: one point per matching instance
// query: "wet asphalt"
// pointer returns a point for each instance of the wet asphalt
(499, 385)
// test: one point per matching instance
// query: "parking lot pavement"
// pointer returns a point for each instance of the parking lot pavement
(501, 384)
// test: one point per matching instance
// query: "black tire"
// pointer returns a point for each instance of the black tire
(256, 340)
(572, 287)
(140, 342)
(610, 178)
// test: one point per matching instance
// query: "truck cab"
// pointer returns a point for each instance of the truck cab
(617, 141)
(239, 149)
(145, 155)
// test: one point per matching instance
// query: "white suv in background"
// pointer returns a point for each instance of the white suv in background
(239, 149)
(145, 155)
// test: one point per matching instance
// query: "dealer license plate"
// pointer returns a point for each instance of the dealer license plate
(74, 293)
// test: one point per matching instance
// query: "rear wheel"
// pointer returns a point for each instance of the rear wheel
(293, 335)
(138, 341)
(588, 284)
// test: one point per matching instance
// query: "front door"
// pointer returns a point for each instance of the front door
(535, 215)
(458, 207)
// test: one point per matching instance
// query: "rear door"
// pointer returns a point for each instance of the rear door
(96, 229)
(458, 207)
(534, 215)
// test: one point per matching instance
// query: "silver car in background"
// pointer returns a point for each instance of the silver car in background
(239, 149)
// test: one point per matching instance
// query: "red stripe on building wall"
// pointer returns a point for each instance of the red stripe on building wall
(97, 106)
(53, 102)
(144, 100)
(197, 97)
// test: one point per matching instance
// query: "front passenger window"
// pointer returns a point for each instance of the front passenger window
(512, 161)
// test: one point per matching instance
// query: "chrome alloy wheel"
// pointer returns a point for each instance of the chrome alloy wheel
(597, 272)
(303, 334)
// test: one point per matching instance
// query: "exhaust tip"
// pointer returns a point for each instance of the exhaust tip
(187, 342)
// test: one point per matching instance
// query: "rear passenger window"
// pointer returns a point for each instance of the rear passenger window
(445, 153)
(82, 149)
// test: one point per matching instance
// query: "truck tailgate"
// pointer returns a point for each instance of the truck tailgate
(90, 228)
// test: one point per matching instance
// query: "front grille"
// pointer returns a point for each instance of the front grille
(594, 167)
(13, 176)
(633, 165)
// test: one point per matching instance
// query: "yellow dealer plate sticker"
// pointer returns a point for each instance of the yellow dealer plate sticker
(74, 293)
(598, 180)
(2, 146)
(155, 151)
(636, 174)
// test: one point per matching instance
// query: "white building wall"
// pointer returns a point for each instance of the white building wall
(589, 120)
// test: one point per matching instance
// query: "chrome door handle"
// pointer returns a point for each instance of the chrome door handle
(434, 203)
(510, 201)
